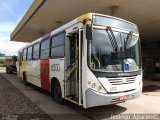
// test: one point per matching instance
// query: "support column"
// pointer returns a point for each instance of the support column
(114, 10)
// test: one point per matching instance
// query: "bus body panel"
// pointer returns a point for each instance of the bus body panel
(94, 98)
(57, 71)
(84, 69)
(34, 73)
(44, 74)
(24, 69)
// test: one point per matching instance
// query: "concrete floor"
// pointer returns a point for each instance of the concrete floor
(148, 103)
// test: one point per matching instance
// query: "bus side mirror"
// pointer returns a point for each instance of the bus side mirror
(89, 32)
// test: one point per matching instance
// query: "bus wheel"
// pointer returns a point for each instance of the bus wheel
(56, 92)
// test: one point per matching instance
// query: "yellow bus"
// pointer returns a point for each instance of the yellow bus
(93, 60)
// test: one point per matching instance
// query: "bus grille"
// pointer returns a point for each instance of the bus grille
(121, 81)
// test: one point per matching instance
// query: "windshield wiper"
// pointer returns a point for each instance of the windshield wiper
(128, 39)
(112, 39)
(127, 42)
(113, 43)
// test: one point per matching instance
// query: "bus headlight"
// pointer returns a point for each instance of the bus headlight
(93, 85)
(96, 86)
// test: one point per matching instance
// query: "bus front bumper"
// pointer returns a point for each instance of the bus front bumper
(94, 98)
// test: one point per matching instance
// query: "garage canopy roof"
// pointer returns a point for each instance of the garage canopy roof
(46, 15)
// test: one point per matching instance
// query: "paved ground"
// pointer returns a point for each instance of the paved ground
(148, 103)
(12, 101)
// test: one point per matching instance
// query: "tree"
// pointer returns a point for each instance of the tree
(1, 61)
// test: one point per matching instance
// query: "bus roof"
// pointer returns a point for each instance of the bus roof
(76, 20)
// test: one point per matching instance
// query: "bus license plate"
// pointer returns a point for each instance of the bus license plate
(123, 98)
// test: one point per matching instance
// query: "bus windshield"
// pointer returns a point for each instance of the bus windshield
(116, 23)
(112, 51)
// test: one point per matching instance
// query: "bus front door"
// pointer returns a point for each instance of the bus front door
(73, 83)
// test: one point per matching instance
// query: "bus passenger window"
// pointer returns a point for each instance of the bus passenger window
(36, 51)
(29, 53)
(24, 54)
(45, 45)
(57, 50)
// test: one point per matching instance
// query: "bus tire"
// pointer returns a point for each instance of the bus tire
(56, 92)
(25, 79)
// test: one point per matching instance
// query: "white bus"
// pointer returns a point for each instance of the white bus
(91, 61)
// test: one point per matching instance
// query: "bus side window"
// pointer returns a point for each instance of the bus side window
(24, 54)
(29, 53)
(45, 45)
(36, 51)
(57, 47)
(20, 58)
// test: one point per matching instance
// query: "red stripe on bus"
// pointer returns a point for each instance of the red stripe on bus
(45, 84)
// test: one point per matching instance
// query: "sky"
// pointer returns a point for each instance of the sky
(11, 12)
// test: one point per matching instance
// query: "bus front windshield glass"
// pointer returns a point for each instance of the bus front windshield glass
(112, 51)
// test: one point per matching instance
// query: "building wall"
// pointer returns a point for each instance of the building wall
(151, 60)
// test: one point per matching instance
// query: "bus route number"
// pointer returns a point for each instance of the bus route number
(114, 88)
(55, 67)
